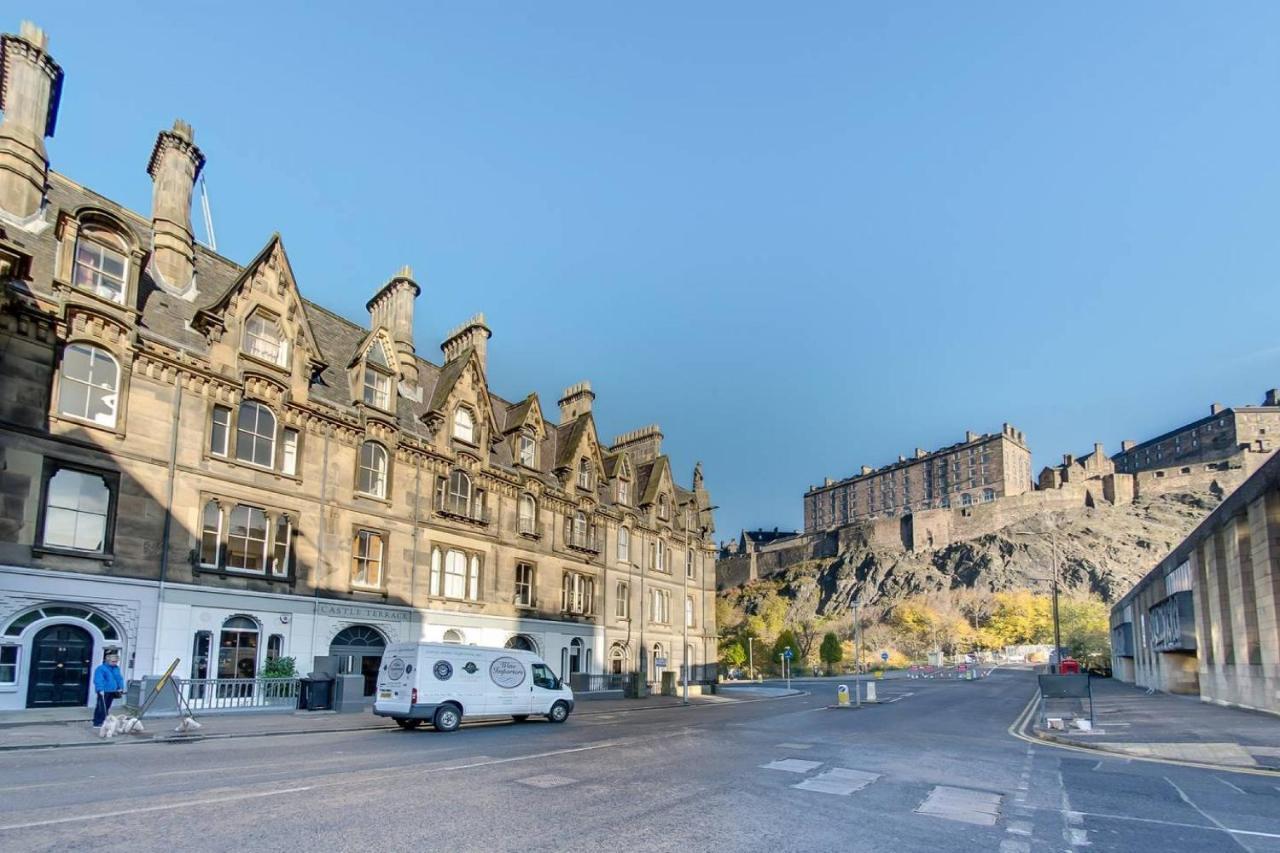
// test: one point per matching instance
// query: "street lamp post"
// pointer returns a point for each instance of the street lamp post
(751, 666)
(1057, 625)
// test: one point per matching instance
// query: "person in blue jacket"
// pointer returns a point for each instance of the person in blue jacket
(109, 683)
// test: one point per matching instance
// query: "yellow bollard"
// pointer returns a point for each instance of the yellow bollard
(842, 696)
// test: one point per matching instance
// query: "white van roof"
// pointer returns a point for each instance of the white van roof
(446, 648)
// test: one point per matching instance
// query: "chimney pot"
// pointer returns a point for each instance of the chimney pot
(30, 89)
(576, 402)
(174, 168)
(474, 334)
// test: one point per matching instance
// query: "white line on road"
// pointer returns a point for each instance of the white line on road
(166, 807)
(1231, 786)
(1204, 814)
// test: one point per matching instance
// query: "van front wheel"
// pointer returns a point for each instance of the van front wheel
(559, 713)
(447, 718)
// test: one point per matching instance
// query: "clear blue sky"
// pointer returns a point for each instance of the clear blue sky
(802, 237)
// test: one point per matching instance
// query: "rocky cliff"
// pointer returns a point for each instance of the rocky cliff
(1101, 551)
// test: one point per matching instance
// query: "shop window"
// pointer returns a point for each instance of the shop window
(9, 664)
(238, 648)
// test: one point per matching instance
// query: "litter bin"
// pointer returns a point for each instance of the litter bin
(315, 694)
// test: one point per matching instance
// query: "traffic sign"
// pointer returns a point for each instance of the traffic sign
(884, 656)
(786, 653)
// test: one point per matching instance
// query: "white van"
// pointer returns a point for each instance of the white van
(442, 682)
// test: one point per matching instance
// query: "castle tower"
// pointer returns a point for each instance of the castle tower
(175, 164)
(30, 87)
(392, 309)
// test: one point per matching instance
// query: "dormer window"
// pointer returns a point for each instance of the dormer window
(624, 492)
(100, 265)
(663, 511)
(263, 339)
(464, 428)
(586, 476)
(377, 388)
(528, 450)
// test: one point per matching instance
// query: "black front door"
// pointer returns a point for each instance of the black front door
(60, 665)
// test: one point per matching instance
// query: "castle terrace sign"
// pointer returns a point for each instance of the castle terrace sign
(361, 611)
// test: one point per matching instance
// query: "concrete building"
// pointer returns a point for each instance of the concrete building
(980, 469)
(1204, 620)
(198, 463)
(1220, 435)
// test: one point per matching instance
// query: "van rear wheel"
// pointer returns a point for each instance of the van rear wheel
(447, 718)
(407, 724)
(559, 713)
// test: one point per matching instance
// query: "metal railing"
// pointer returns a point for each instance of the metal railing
(236, 694)
(587, 682)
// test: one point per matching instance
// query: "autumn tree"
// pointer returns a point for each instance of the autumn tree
(830, 652)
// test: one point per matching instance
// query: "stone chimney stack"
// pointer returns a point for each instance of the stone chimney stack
(643, 445)
(1127, 445)
(1215, 409)
(1097, 449)
(1272, 397)
(473, 333)
(175, 164)
(864, 470)
(30, 87)
(576, 402)
(391, 308)
(970, 435)
(921, 453)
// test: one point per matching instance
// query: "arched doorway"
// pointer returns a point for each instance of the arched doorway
(617, 659)
(575, 655)
(359, 650)
(61, 658)
(521, 643)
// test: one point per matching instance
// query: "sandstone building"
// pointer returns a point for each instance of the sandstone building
(980, 469)
(197, 462)
(1220, 435)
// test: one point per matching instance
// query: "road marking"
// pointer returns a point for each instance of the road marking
(1011, 846)
(143, 809)
(963, 804)
(795, 746)
(547, 780)
(1173, 823)
(1231, 786)
(1019, 827)
(838, 780)
(792, 765)
(1202, 812)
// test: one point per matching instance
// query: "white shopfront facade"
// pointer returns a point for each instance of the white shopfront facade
(55, 628)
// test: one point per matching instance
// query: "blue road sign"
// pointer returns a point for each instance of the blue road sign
(786, 653)
(884, 656)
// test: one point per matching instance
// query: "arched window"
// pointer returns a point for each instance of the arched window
(463, 426)
(256, 434)
(458, 500)
(238, 648)
(659, 660)
(580, 529)
(624, 545)
(528, 514)
(617, 659)
(100, 264)
(966, 499)
(452, 636)
(263, 339)
(90, 385)
(662, 506)
(688, 611)
(372, 479)
(521, 643)
(988, 495)
(576, 655)
(585, 474)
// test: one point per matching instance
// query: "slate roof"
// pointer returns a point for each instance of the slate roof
(167, 317)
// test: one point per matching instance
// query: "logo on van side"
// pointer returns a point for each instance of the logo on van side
(443, 670)
(395, 669)
(507, 672)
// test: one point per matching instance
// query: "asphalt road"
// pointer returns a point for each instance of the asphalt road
(933, 769)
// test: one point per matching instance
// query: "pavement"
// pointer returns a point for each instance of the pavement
(73, 727)
(933, 767)
(1130, 721)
